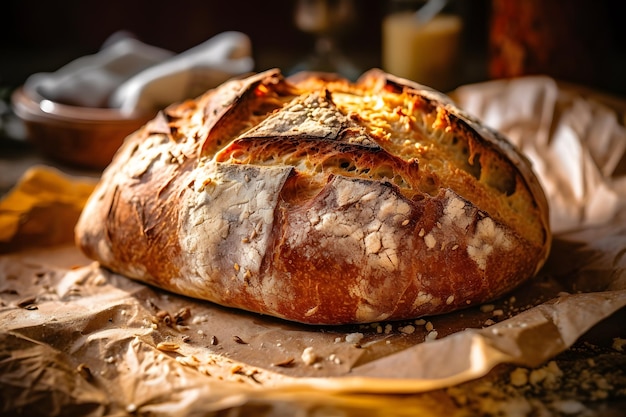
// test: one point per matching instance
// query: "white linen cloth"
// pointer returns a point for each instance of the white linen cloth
(132, 76)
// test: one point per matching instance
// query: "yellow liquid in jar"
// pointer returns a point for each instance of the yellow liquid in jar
(427, 53)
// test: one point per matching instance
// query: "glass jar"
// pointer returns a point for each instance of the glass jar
(422, 46)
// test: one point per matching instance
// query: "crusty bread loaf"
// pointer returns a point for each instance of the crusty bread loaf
(320, 201)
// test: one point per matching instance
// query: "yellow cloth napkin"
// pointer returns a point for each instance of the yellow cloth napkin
(42, 208)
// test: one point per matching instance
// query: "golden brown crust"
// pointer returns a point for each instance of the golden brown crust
(320, 201)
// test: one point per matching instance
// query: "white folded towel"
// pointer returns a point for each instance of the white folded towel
(186, 75)
(135, 77)
(89, 80)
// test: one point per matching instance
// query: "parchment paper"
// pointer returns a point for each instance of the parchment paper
(77, 339)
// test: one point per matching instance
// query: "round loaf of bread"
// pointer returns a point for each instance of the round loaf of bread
(320, 201)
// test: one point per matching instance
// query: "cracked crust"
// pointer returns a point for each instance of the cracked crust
(320, 201)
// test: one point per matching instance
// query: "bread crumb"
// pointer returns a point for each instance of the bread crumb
(618, 344)
(168, 346)
(429, 326)
(188, 360)
(334, 359)
(409, 329)
(562, 387)
(199, 318)
(308, 356)
(487, 308)
(432, 335)
(547, 376)
(519, 377)
(354, 337)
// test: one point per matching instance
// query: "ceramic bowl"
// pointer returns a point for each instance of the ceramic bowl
(84, 137)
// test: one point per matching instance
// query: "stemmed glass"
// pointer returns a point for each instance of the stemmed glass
(326, 20)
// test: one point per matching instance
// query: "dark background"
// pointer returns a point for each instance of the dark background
(45, 35)
(42, 36)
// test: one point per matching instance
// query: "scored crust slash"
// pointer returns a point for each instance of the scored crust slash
(322, 201)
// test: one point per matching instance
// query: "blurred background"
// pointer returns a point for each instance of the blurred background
(576, 41)
(43, 36)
